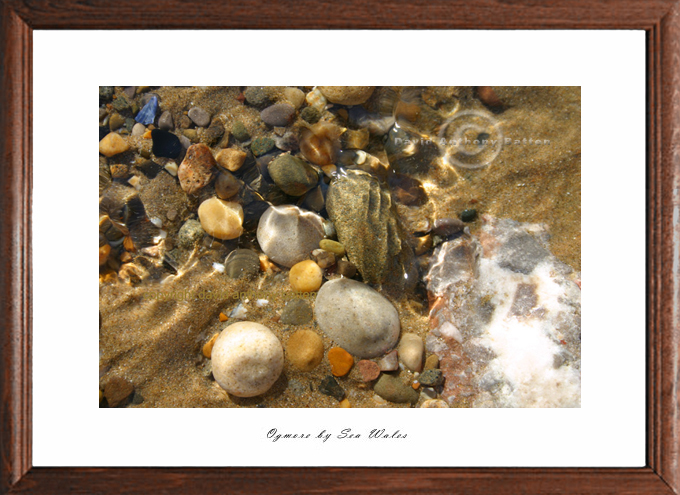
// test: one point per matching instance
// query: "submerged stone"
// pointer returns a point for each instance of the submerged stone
(147, 114)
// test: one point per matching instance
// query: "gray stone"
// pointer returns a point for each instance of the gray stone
(138, 129)
(521, 253)
(199, 116)
(431, 378)
(358, 318)
(279, 115)
(393, 389)
(257, 96)
(165, 121)
(329, 386)
(288, 234)
(367, 226)
(293, 175)
(240, 132)
(390, 362)
(190, 234)
(297, 312)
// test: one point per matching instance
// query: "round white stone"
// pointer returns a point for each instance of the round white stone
(411, 349)
(247, 359)
(288, 234)
(358, 318)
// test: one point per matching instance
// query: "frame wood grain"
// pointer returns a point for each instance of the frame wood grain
(661, 21)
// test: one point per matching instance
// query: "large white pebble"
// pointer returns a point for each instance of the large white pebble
(358, 318)
(221, 219)
(247, 359)
(411, 351)
(288, 234)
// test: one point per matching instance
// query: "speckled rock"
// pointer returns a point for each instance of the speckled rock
(257, 96)
(240, 132)
(197, 169)
(310, 115)
(305, 276)
(347, 95)
(357, 317)
(279, 115)
(288, 234)
(434, 404)
(411, 349)
(247, 359)
(368, 228)
(190, 234)
(330, 386)
(221, 219)
(431, 378)
(297, 312)
(262, 145)
(393, 389)
(369, 370)
(113, 144)
(293, 175)
(304, 350)
(199, 116)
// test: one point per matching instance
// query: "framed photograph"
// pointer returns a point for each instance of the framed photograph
(484, 189)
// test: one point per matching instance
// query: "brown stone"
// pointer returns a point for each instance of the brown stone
(369, 370)
(197, 168)
(117, 391)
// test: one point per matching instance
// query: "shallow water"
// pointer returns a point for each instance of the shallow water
(161, 302)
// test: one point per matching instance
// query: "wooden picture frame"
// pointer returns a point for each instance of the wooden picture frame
(660, 19)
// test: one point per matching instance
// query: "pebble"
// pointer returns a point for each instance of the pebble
(389, 362)
(262, 145)
(330, 386)
(165, 144)
(323, 258)
(247, 359)
(116, 121)
(257, 96)
(199, 116)
(347, 95)
(411, 351)
(288, 234)
(434, 403)
(165, 121)
(242, 263)
(208, 346)
(113, 144)
(197, 168)
(104, 252)
(355, 140)
(369, 370)
(357, 317)
(341, 361)
(297, 312)
(344, 403)
(278, 115)
(172, 168)
(117, 391)
(240, 132)
(221, 219)
(393, 389)
(332, 246)
(293, 175)
(310, 115)
(468, 215)
(138, 130)
(521, 253)
(306, 276)
(346, 269)
(226, 185)
(212, 134)
(105, 92)
(147, 114)
(431, 378)
(432, 362)
(304, 350)
(121, 103)
(230, 159)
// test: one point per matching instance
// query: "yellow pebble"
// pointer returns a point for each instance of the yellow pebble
(207, 348)
(306, 276)
(344, 403)
(223, 317)
(104, 254)
(334, 247)
(112, 144)
(341, 361)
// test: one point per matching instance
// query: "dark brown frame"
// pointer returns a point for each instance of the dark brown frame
(660, 19)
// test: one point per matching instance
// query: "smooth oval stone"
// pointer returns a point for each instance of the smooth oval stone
(293, 175)
(288, 234)
(393, 389)
(369, 230)
(305, 350)
(347, 95)
(279, 115)
(221, 219)
(199, 116)
(358, 318)
(247, 359)
(226, 185)
(113, 144)
(242, 263)
(165, 122)
(411, 351)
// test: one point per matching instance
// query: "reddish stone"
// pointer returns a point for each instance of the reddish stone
(369, 370)
(197, 168)
(117, 391)
(390, 362)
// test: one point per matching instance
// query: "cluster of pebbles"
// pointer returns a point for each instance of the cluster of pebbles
(319, 193)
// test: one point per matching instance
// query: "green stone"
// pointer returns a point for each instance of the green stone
(468, 215)
(310, 115)
(332, 246)
(293, 175)
(260, 146)
(431, 378)
(121, 103)
(240, 132)
(391, 388)
(129, 124)
(116, 121)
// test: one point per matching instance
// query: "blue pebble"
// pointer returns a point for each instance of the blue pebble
(147, 114)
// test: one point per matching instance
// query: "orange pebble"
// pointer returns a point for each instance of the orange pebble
(104, 254)
(341, 361)
(207, 348)
(223, 317)
(344, 403)
(147, 135)
(129, 244)
(415, 385)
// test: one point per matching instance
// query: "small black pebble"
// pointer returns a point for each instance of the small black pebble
(165, 144)
(103, 131)
(468, 215)
(329, 386)
(150, 168)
